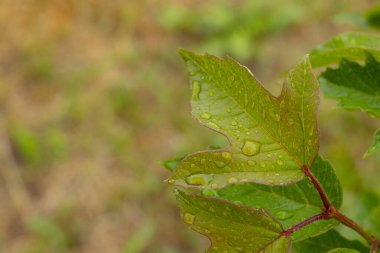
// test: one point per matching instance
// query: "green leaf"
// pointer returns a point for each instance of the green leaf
(343, 250)
(293, 203)
(372, 16)
(368, 212)
(351, 46)
(172, 163)
(356, 86)
(328, 241)
(232, 228)
(375, 146)
(270, 137)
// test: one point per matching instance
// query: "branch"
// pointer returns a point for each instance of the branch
(330, 212)
(320, 216)
(317, 185)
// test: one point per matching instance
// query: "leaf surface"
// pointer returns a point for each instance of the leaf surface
(232, 228)
(343, 250)
(355, 86)
(293, 203)
(351, 46)
(270, 137)
(376, 144)
(328, 241)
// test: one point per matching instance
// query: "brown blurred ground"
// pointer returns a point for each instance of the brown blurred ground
(93, 96)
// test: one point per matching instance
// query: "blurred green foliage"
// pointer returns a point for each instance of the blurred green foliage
(234, 29)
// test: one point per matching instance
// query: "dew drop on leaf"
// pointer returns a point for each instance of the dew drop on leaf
(232, 180)
(188, 218)
(283, 215)
(196, 90)
(220, 164)
(205, 115)
(213, 125)
(251, 148)
(226, 155)
(214, 186)
(198, 179)
(251, 163)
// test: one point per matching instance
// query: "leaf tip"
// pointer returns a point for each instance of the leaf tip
(185, 54)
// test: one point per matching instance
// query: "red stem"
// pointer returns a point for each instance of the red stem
(330, 212)
(320, 216)
(314, 181)
(374, 246)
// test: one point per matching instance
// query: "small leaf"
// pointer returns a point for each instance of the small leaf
(293, 203)
(172, 164)
(328, 241)
(372, 16)
(375, 146)
(270, 137)
(343, 250)
(356, 86)
(351, 46)
(232, 228)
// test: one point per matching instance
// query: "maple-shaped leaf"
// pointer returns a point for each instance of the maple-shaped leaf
(270, 137)
(291, 204)
(356, 87)
(352, 46)
(232, 228)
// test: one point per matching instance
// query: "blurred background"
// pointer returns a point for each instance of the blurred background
(93, 95)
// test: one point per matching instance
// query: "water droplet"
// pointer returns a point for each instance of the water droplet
(251, 148)
(279, 162)
(283, 215)
(226, 155)
(251, 163)
(188, 218)
(213, 125)
(205, 115)
(198, 179)
(234, 123)
(214, 186)
(232, 180)
(196, 90)
(220, 164)
(209, 192)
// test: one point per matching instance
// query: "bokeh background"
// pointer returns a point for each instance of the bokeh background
(93, 96)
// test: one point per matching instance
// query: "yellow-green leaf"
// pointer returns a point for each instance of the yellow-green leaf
(232, 228)
(270, 137)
